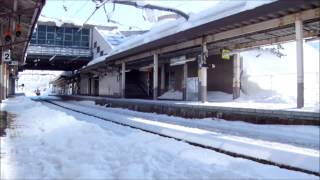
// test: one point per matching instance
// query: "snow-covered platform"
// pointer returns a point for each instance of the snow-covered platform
(259, 113)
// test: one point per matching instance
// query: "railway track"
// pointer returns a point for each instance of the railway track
(262, 161)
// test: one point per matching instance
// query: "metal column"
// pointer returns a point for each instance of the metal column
(1, 82)
(163, 78)
(300, 73)
(236, 76)
(184, 81)
(123, 80)
(155, 76)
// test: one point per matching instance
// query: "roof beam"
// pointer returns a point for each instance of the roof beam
(266, 25)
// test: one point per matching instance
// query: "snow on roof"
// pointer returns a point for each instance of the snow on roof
(219, 11)
(75, 22)
(114, 38)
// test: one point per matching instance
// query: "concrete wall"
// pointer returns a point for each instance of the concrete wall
(109, 85)
(104, 46)
(84, 85)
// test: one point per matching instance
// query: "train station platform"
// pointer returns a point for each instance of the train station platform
(258, 113)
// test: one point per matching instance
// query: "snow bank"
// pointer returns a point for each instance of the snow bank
(171, 94)
(275, 152)
(273, 79)
(59, 146)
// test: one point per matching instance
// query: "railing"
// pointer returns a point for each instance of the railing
(60, 51)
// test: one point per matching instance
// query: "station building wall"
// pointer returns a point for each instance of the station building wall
(109, 84)
(84, 85)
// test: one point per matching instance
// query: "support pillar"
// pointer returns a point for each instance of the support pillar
(5, 81)
(300, 73)
(155, 76)
(236, 76)
(203, 84)
(123, 80)
(1, 81)
(163, 78)
(184, 81)
(202, 73)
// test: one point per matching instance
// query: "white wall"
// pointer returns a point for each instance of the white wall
(104, 46)
(84, 84)
(109, 85)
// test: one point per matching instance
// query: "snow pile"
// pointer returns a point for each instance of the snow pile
(273, 79)
(171, 94)
(61, 147)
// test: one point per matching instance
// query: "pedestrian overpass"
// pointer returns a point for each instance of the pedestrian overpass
(58, 48)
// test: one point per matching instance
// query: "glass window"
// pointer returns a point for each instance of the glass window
(68, 37)
(59, 36)
(42, 28)
(68, 43)
(41, 41)
(98, 49)
(41, 35)
(50, 42)
(59, 30)
(59, 43)
(85, 32)
(95, 44)
(50, 29)
(76, 37)
(85, 38)
(76, 43)
(33, 41)
(84, 44)
(50, 35)
(68, 30)
(101, 53)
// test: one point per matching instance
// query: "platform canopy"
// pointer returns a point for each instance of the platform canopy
(17, 21)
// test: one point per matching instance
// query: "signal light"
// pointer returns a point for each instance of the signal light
(18, 30)
(7, 36)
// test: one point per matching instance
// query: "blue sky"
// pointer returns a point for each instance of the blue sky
(80, 10)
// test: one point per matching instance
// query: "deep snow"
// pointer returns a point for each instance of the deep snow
(48, 143)
(281, 153)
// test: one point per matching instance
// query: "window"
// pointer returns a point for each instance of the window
(98, 49)
(95, 44)
(42, 28)
(85, 32)
(101, 53)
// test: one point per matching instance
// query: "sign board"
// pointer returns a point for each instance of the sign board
(225, 54)
(6, 56)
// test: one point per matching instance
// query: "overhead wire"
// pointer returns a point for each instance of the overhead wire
(79, 9)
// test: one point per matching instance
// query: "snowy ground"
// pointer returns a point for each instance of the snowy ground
(56, 144)
(296, 135)
(240, 143)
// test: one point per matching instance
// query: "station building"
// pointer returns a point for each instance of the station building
(199, 54)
